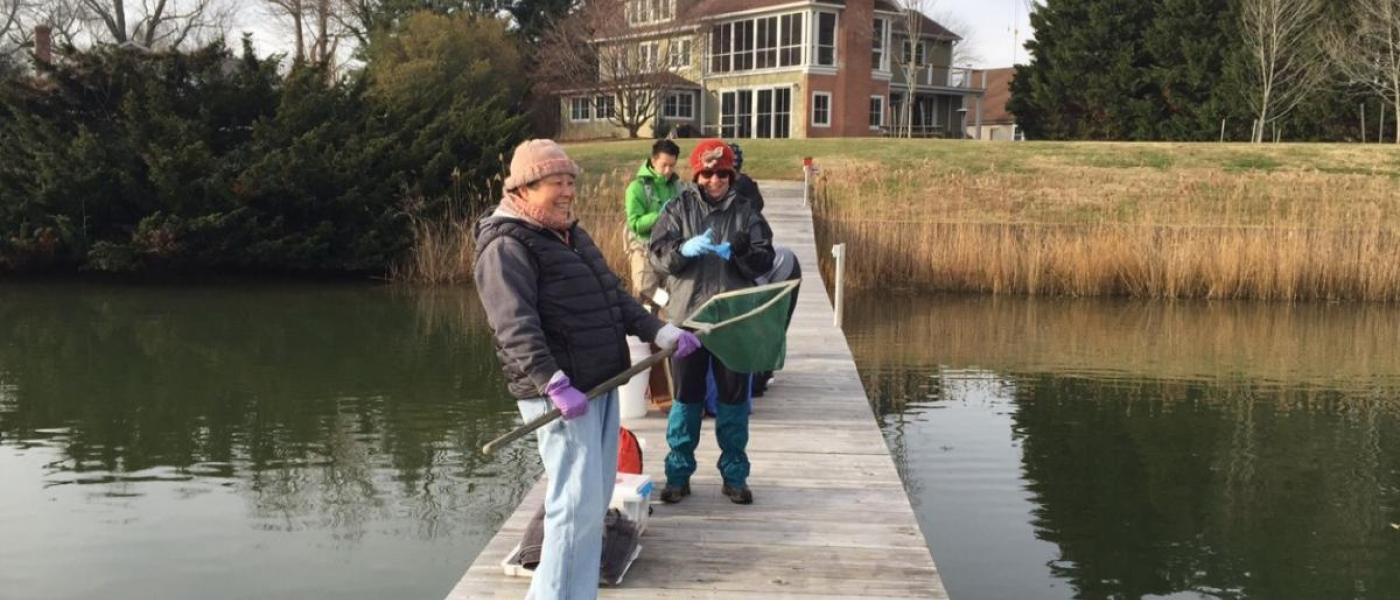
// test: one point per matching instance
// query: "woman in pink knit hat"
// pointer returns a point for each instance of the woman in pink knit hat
(560, 319)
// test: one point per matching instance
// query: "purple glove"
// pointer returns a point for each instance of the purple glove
(683, 341)
(571, 403)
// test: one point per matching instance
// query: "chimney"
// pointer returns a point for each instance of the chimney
(43, 44)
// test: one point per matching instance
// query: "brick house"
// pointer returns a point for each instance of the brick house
(783, 68)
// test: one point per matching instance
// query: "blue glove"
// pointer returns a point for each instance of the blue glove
(724, 250)
(697, 245)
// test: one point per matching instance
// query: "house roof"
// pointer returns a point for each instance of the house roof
(998, 94)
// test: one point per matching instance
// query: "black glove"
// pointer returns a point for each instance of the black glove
(739, 242)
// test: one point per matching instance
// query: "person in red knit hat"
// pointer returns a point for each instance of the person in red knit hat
(709, 239)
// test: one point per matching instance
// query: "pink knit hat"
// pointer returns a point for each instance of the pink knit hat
(536, 159)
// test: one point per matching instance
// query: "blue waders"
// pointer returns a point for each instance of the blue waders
(731, 419)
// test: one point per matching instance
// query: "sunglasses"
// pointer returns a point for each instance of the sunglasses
(709, 173)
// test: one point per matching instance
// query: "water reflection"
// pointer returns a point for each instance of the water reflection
(342, 421)
(1104, 449)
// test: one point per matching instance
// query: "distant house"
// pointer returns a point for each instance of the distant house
(997, 123)
(781, 69)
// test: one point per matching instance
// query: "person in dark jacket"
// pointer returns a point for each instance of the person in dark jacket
(744, 184)
(560, 319)
(709, 239)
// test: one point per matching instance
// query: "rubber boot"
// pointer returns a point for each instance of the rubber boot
(732, 432)
(682, 435)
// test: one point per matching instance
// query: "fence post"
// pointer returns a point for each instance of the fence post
(839, 252)
(806, 180)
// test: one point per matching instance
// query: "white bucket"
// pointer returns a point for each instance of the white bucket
(632, 398)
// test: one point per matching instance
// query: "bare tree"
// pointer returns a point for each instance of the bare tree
(317, 26)
(595, 52)
(157, 23)
(911, 24)
(293, 14)
(1367, 51)
(1284, 53)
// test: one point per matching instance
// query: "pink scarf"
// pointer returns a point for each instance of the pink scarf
(542, 217)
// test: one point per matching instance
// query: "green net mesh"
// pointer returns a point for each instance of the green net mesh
(746, 329)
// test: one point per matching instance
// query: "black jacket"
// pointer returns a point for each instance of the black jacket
(553, 306)
(691, 281)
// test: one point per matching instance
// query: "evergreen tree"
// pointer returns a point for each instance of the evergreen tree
(1189, 43)
(1087, 78)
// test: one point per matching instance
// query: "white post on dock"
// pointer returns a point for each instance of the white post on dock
(806, 180)
(839, 253)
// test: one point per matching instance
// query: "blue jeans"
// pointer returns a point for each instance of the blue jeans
(580, 460)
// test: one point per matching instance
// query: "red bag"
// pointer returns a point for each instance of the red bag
(629, 452)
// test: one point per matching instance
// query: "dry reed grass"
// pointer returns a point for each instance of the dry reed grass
(1093, 231)
(444, 250)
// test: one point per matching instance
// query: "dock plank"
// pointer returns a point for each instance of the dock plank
(830, 517)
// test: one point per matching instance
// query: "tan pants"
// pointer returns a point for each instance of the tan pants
(644, 280)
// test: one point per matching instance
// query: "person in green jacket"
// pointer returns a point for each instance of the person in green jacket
(655, 185)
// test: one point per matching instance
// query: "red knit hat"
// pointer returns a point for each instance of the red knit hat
(536, 159)
(712, 154)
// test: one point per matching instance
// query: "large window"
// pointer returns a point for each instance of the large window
(877, 46)
(580, 109)
(821, 109)
(721, 48)
(761, 43)
(826, 39)
(763, 112)
(877, 112)
(680, 105)
(743, 45)
(790, 46)
(767, 43)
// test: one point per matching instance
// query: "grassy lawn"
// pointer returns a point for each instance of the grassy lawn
(781, 159)
(1279, 222)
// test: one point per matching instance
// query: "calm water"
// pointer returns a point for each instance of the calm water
(319, 441)
(260, 442)
(1105, 449)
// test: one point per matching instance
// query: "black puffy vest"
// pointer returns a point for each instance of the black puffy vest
(579, 305)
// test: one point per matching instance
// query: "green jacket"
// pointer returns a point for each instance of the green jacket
(646, 196)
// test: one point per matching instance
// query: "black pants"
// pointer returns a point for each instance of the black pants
(690, 373)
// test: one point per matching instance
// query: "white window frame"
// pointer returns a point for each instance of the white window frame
(797, 44)
(679, 51)
(817, 39)
(880, 122)
(829, 107)
(574, 103)
(752, 109)
(602, 102)
(920, 53)
(671, 107)
(648, 57)
(880, 44)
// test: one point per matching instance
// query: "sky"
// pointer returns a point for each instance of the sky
(988, 23)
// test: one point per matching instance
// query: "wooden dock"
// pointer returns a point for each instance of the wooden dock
(830, 517)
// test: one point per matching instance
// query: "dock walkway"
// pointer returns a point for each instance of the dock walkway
(830, 517)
